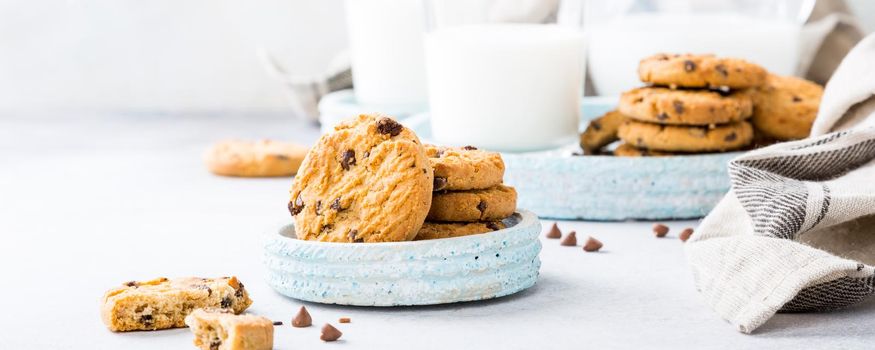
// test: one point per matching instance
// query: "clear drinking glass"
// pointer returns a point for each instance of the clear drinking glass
(503, 74)
(621, 32)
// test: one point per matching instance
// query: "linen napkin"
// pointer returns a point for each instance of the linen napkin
(795, 232)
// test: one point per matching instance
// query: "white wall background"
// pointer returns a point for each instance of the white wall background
(169, 54)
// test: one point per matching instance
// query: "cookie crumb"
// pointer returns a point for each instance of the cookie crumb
(329, 333)
(554, 232)
(570, 240)
(592, 245)
(660, 230)
(344, 320)
(302, 319)
(685, 234)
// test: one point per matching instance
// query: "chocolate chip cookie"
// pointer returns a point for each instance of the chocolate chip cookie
(218, 329)
(263, 158)
(494, 203)
(700, 71)
(436, 230)
(601, 131)
(464, 168)
(785, 107)
(685, 107)
(627, 150)
(670, 138)
(368, 181)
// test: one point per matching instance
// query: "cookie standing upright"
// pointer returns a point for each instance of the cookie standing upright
(700, 71)
(368, 181)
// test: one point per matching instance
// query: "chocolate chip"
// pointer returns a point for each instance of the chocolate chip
(336, 204)
(592, 245)
(570, 240)
(277, 323)
(297, 206)
(439, 183)
(638, 100)
(239, 292)
(388, 126)
(318, 207)
(302, 319)
(344, 320)
(722, 70)
(226, 302)
(348, 159)
(206, 288)
(731, 137)
(493, 226)
(146, 319)
(660, 230)
(366, 154)
(215, 344)
(439, 153)
(482, 206)
(326, 228)
(329, 333)
(131, 284)
(352, 234)
(554, 232)
(662, 57)
(469, 148)
(689, 66)
(596, 125)
(685, 234)
(678, 107)
(797, 99)
(662, 116)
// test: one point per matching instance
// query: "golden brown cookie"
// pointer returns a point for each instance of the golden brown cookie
(368, 181)
(218, 329)
(263, 158)
(601, 131)
(685, 107)
(670, 138)
(785, 108)
(464, 168)
(163, 303)
(436, 230)
(627, 150)
(700, 71)
(494, 203)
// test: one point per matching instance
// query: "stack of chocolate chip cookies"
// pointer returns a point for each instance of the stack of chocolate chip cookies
(469, 197)
(695, 103)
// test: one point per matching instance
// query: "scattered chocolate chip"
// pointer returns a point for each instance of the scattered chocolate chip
(336, 204)
(493, 226)
(329, 333)
(592, 245)
(689, 66)
(797, 99)
(352, 234)
(570, 240)
(302, 319)
(348, 159)
(482, 206)
(596, 125)
(660, 230)
(388, 126)
(469, 148)
(722, 70)
(226, 302)
(318, 207)
(731, 137)
(439, 183)
(678, 107)
(277, 323)
(554, 232)
(344, 320)
(297, 206)
(685, 234)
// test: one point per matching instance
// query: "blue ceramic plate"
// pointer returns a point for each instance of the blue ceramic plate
(558, 185)
(439, 271)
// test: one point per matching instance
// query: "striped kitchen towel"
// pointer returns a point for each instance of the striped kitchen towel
(796, 232)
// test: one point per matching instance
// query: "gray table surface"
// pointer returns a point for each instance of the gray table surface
(90, 201)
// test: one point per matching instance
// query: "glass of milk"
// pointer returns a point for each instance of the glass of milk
(499, 85)
(620, 33)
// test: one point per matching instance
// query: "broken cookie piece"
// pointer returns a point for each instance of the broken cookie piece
(163, 303)
(221, 329)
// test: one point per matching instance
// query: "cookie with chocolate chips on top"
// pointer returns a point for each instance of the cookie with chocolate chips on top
(700, 71)
(464, 168)
(669, 138)
(494, 203)
(437, 230)
(685, 107)
(368, 181)
(785, 108)
(601, 132)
